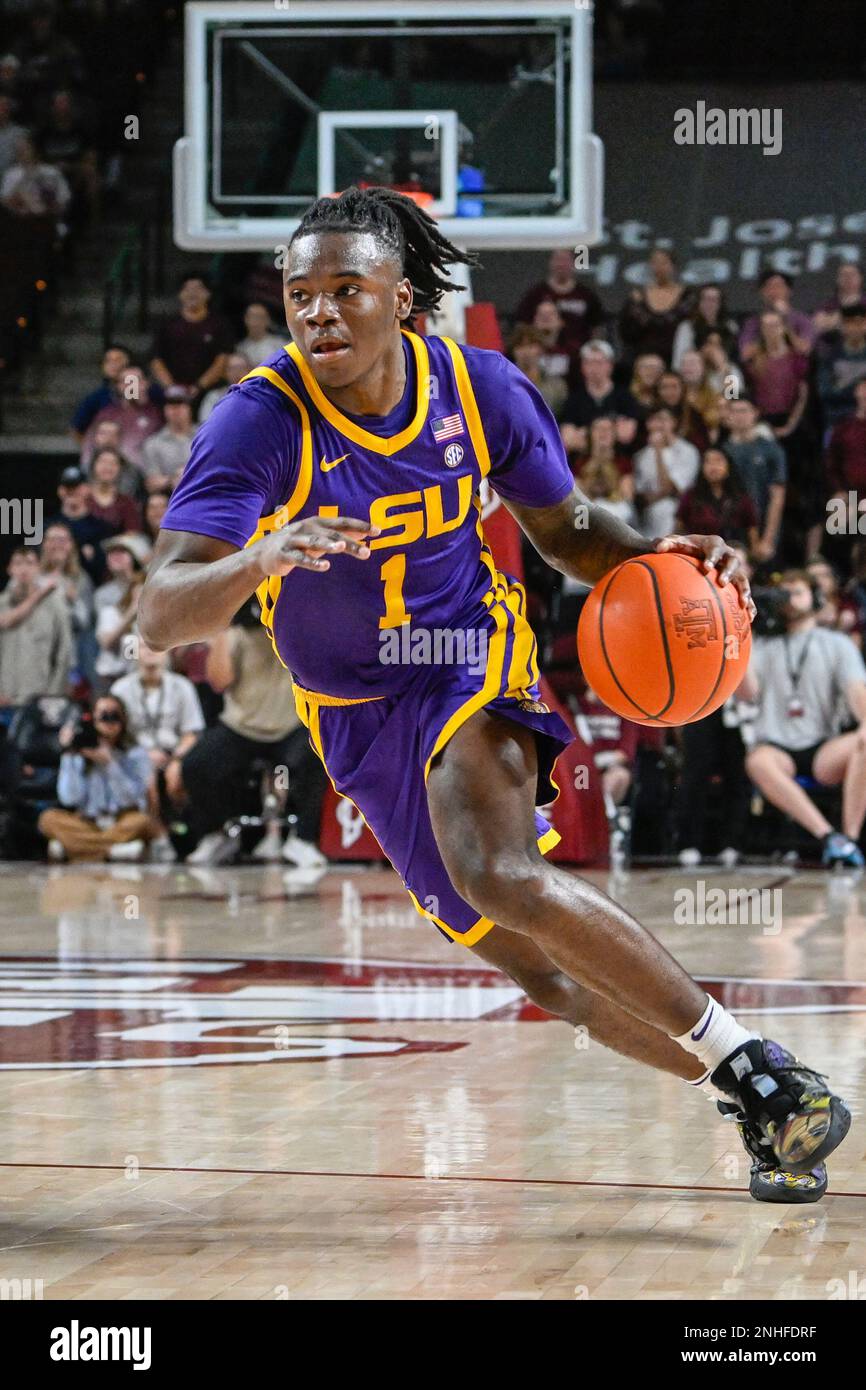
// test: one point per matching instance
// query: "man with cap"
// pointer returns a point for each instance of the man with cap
(88, 531)
(164, 455)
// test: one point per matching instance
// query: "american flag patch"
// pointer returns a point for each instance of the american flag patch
(448, 427)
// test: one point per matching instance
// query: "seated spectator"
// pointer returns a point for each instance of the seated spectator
(843, 365)
(165, 718)
(115, 363)
(134, 417)
(709, 315)
(777, 374)
(849, 291)
(11, 134)
(651, 315)
(579, 306)
(718, 504)
(35, 632)
(806, 682)
(88, 530)
(258, 720)
(527, 352)
(154, 511)
(613, 743)
(261, 341)
(646, 374)
(604, 474)
(107, 502)
(688, 420)
(116, 627)
(190, 347)
(775, 297)
(761, 465)
(126, 557)
(845, 458)
(164, 455)
(837, 610)
(102, 788)
(67, 143)
(59, 563)
(104, 433)
(557, 354)
(663, 471)
(597, 395)
(237, 367)
(32, 188)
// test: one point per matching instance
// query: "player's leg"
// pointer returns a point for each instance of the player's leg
(481, 793)
(773, 770)
(520, 958)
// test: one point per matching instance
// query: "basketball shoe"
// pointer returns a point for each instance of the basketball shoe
(768, 1182)
(789, 1105)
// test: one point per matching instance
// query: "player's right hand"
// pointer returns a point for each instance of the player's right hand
(302, 544)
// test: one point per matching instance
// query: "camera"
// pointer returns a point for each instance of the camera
(84, 732)
(771, 619)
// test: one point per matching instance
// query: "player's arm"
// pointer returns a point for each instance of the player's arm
(585, 541)
(195, 584)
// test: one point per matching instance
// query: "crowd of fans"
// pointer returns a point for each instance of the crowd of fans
(674, 417)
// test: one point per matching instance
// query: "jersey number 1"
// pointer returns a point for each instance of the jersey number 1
(392, 574)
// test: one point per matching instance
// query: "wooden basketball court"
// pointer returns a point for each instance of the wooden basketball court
(241, 1083)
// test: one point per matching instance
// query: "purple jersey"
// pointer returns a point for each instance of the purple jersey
(276, 449)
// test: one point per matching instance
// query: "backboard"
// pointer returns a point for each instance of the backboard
(482, 109)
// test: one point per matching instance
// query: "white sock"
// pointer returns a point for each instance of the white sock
(713, 1038)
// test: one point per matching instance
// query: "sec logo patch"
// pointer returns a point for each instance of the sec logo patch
(453, 455)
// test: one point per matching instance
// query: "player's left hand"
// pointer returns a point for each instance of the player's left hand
(714, 553)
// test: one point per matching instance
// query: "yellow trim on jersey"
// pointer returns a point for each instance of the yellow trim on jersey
(315, 699)
(482, 697)
(348, 428)
(480, 928)
(470, 406)
(522, 672)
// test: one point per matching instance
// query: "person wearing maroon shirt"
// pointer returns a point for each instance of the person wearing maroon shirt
(613, 742)
(719, 501)
(190, 348)
(107, 502)
(845, 459)
(580, 307)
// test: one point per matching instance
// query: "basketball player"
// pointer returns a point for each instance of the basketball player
(338, 481)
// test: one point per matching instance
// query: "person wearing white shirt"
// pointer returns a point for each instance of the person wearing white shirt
(662, 473)
(261, 342)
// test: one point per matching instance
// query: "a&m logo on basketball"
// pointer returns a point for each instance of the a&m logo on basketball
(697, 620)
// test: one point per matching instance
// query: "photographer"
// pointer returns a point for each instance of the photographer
(102, 786)
(802, 679)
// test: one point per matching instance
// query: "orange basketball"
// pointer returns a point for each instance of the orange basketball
(661, 642)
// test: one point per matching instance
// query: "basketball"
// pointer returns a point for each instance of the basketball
(662, 642)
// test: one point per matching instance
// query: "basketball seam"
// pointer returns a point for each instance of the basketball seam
(609, 663)
(724, 618)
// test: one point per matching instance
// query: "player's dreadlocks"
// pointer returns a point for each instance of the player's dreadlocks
(402, 226)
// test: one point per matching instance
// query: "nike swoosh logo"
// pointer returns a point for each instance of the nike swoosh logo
(326, 467)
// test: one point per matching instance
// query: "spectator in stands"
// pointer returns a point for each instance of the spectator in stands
(48, 59)
(261, 342)
(646, 374)
(258, 721)
(59, 561)
(709, 315)
(718, 504)
(527, 352)
(688, 420)
(837, 610)
(605, 475)
(102, 788)
(154, 511)
(165, 718)
(134, 417)
(597, 395)
(105, 434)
(663, 471)
(126, 556)
(237, 367)
(651, 315)
(115, 364)
(849, 291)
(35, 632)
(613, 743)
(164, 454)
(845, 458)
(843, 365)
(189, 349)
(760, 463)
(67, 143)
(579, 306)
(32, 188)
(107, 502)
(87, 529)
(777, 374)
(117, 613)
(805, 681)
(11, 135)
(722, 376)
(855, 589)
(557, 352)
(10, 78)
(775, 296)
